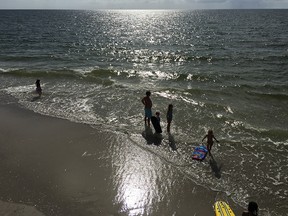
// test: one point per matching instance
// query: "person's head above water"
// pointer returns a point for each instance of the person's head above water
(253, 208)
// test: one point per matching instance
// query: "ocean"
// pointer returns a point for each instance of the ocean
(225, 70)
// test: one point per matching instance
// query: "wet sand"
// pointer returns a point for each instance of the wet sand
(51, 166)
(7, 208)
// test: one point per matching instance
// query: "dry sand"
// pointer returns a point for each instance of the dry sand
(54, 167)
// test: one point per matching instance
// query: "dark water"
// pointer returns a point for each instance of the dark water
(221, 69)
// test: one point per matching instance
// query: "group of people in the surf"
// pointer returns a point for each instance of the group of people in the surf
(147, 102)
(148, 117)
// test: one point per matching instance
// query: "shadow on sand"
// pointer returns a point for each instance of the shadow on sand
(216, 169)
(35, 98)
(152, 138)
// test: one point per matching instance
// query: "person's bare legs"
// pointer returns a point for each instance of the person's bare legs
(168, 127)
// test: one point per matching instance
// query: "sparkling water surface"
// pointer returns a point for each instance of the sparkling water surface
(221, 69)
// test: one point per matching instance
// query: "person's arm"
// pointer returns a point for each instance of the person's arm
(204, 138)
(143, 101)
(215, 138)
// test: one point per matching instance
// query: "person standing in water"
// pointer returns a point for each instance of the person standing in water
(169, 116)
(210, 136)
(157, 115)
(38, 87)
(147, 107)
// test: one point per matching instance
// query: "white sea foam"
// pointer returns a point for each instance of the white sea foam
(210, 86)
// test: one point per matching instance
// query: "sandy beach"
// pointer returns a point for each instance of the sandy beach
(82, 148)
(51, 166)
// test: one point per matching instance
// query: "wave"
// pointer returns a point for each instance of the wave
(101, 73)
(194, 77)
(39, 73)
(32, 58)
(162, 56)
(276, 133)
(94, 75)
(21, 58)
(280, 60)
(264, 95)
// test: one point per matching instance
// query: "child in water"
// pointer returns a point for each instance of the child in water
(38, 87)
(169, 116)
(210, 136)
(158, 116)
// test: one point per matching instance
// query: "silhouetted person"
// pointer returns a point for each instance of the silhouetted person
(169, 116)
(210, 141)
(38, 87)
(252, 209)
(157, 114)
(147, 107)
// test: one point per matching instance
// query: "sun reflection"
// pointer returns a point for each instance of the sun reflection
(132, 197)
(142, 25)
(136, 180)
(136, 190)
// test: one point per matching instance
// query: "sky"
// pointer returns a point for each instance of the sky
(143, 4)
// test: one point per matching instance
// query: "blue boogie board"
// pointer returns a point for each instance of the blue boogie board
(199, 153)
(156, 124)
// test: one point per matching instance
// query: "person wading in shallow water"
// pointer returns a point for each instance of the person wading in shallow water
(157, 115)
(147, 108)
(169, 116)
(210, 136)
(38, 87)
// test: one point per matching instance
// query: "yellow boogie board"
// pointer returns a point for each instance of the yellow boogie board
(221, 208)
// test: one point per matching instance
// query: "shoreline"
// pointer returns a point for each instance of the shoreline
(66, 168)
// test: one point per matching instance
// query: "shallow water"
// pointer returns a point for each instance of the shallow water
(223, 69)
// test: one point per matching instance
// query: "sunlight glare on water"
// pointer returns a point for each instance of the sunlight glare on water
(136, 179)
(96, 67)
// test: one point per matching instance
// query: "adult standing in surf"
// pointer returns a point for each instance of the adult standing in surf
(147, 107)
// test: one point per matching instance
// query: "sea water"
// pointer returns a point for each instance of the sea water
(225, 70)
